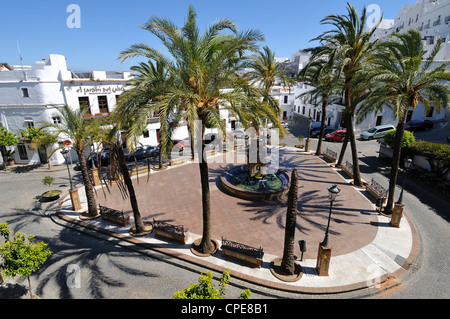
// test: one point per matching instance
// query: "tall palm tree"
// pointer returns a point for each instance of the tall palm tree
(78, 129)
(202, 66)
(287, 263)
(326, 84)
(118, 167)
(265, 73)
(346, 46)
(400, 79)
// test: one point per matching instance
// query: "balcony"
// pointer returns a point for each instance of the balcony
(437, 22)
(447, 19)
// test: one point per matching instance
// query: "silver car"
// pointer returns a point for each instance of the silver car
(376, 132)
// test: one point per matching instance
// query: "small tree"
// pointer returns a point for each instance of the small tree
(22, 256)
(206, 290)
(7, 138)
(48, 180)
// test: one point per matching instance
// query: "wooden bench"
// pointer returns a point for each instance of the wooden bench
(330, 155)
(347, 168)
(242, 253)
(377, 191)
(171, 232)
(114, 216)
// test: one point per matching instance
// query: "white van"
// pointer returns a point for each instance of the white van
(376, 132)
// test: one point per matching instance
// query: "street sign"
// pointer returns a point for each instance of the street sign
(67, 142)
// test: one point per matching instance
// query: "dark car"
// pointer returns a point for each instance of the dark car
(142, 152)
(316, 132)
(418, 125)
(335, 136)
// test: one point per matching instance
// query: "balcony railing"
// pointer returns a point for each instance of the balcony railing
(437, 22)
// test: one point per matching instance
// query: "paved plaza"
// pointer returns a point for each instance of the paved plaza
(366, 250)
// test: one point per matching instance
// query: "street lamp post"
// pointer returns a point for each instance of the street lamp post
(65, 153)
(397, 212)
(74, 197)
(324, 254)
(333, 191)
(407, 163)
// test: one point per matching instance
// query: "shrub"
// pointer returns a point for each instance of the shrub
(408, 138)
(438, 155)
(206, 290)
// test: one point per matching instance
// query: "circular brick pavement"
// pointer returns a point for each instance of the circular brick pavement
(174, 196)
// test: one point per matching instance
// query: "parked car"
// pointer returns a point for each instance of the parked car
(142, 152)
(239, 134)
(418, 125)
(376, 132)
(335, 136)
(284, 124)
(316, 132)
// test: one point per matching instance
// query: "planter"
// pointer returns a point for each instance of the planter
(52, 195)
(11, 162)
(300, 146)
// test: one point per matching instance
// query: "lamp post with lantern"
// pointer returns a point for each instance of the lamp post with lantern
(397, 212)
(74, 197)
(324, 254)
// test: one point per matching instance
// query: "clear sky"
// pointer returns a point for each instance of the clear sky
(107, 27)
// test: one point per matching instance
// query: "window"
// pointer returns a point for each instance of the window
(84, 102)
(56, 120)
(29, 121)
(103, 104)
(285, 99)
(146, 133)
(22, 152)
(25, 92)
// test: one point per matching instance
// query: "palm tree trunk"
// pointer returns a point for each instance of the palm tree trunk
(88, 187)
(395, 164)
(206, 245)
(356, 171)
(322, 127)
(139, 224)
(287, 263)
(344, 145)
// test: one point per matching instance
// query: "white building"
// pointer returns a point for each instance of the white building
(432, 19)
(30, 95)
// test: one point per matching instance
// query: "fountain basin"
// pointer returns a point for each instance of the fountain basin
(269, 187)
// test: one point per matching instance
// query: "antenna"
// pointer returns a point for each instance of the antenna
(21, 63)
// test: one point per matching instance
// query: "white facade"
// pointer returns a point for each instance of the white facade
(31, 95)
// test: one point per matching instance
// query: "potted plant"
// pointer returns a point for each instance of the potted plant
(9, 157)
(51, 194)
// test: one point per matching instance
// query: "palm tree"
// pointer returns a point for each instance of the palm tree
(118, 167)
(326, 84)
(265, 73)
(78, 129)
(346, 47)
(287, 263)
(401, 79)
(203, 66)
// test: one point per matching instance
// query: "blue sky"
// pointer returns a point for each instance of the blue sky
(107, 27)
